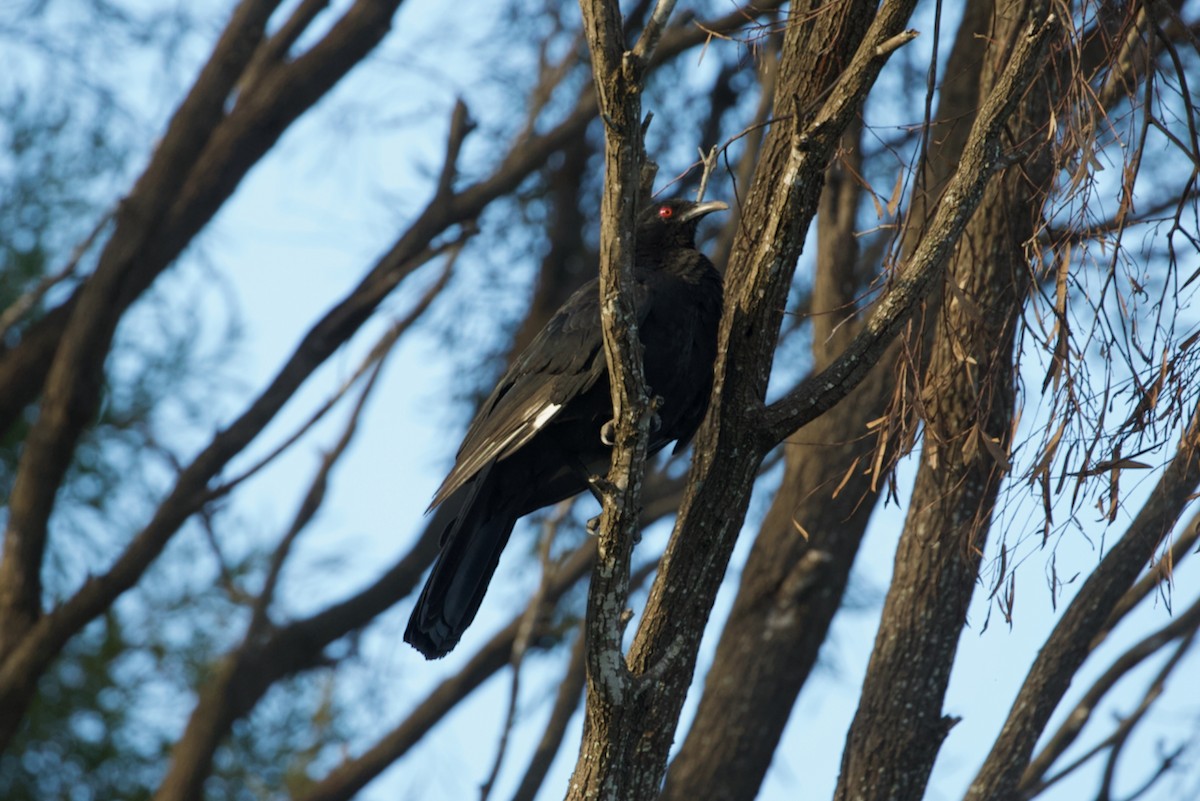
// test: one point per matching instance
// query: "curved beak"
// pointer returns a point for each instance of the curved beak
(701, 209)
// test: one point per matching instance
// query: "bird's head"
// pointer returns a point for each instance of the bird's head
(668, 223)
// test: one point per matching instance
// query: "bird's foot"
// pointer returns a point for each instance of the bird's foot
(593, 529)
(608, 431)
(601, 487)
(656, 403)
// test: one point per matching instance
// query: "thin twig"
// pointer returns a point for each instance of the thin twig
(461, 124)
(709, 161)
(1067, 646)
(896, 42)
(379, 351)
(525, 632)
(22, 305)
(344, 781)
(1126, 727)
(1182, 547)
(570, 689)
(313, 499)
(565, 704)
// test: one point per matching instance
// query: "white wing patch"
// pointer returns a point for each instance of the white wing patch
(546, 415)
(531, 423)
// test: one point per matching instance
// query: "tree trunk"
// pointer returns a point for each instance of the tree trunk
(792, 584)
(968, 404)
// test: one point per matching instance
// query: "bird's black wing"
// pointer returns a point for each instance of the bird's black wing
(562, 362)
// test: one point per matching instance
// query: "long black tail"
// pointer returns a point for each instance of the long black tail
(476, 529)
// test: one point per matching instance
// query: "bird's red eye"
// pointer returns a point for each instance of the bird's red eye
(665, 212)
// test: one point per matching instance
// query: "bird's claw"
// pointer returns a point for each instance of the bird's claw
(601, 485)
(608, 433)
(593, 529)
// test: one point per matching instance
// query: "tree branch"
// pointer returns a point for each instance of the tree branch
(982, 157)
(1034, 779)
(566, 701)
(525, 632)
(618, 77)
(76, 373)
(1159, 573)
(377, 353)
(1068, 645)
(353, 774)
(631, 764)
(23, 368)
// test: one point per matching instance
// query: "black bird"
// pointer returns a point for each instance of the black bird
(537, 439)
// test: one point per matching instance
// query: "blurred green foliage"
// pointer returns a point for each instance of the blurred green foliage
(106, 715)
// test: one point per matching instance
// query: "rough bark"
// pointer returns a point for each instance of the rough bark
(792, 584)
(968, 401)
(737, 435)
(613, 755)
(619, 76)
(798, 568)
